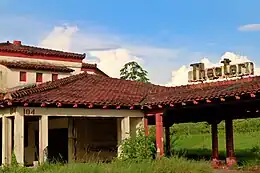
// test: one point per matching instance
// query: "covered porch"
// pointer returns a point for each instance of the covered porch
(38, 134)
(212, 112)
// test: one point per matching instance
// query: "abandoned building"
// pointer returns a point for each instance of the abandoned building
(85, 115)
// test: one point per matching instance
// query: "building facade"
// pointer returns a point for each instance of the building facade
(88, 115)
(22, 65)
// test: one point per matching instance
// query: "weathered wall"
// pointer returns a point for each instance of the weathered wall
(14, 74)
(96, 139)
(96, 129)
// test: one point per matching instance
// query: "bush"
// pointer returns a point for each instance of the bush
(138, 148)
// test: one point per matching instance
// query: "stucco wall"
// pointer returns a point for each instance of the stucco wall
(94, 127)
(96, 139)
(10, 77)
(4, 79)
(13, 77)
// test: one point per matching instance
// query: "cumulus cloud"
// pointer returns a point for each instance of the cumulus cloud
(109, 51)
(250, 27)
(180, 76)
(59, 38)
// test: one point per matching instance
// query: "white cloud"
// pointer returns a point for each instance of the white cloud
(59, 38)
(111, 61)
(109, 50)
(112, 51)
(180, 76)
(250, 27)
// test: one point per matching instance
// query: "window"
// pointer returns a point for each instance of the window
(54, 77)
(22, 76)
(38, 77)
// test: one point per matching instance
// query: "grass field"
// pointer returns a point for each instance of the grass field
(198, 146)
(172, 165)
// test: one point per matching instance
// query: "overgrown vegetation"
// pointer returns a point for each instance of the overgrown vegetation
(191, 150)
(194, 141)
(172, 165)
(139, 148)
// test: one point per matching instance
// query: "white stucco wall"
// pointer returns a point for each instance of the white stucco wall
(10, 78)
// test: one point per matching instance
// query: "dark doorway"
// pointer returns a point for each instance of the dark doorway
(58, 145)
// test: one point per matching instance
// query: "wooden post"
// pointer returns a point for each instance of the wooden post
(71, 140)
(168, 140)
(214, 136)
(230, 160)
(159, 134)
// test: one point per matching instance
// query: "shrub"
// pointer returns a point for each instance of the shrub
(138, 148)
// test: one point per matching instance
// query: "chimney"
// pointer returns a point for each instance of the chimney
(17, 42)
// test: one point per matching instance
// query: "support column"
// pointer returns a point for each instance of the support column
(123, 131)
(168, 140)
(43, 139)
(214, 137)
(6, 140)
(72, 140)
(19, 138)
(230, 160)
(159, 134)
(146, 127)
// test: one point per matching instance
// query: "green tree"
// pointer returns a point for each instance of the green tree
(133, 71)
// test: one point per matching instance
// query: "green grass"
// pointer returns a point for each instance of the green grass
(198, 146)
(172, 165)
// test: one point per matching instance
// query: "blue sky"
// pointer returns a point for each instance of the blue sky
(190, 29)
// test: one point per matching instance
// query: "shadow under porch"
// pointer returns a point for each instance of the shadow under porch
(71, 139)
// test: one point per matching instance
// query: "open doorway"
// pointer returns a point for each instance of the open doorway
(58, 145)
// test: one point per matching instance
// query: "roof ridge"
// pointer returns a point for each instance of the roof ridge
(56, 50)
(22, 64)
(36, 50)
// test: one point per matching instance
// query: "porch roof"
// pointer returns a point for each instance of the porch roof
(96, 90)
(35, 66)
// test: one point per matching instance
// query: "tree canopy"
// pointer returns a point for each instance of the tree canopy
(133, 71)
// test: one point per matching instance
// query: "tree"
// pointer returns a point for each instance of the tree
(133, 71)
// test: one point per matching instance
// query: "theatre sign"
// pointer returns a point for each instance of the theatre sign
(199, 73)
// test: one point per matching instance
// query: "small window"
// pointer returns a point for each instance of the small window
(54, 77)
(38, 77)
(22, 76)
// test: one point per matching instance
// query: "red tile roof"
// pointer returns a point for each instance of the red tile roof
(206, 91)
(90, 66)
(17, 47)
(35, 66)
(87, 89)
